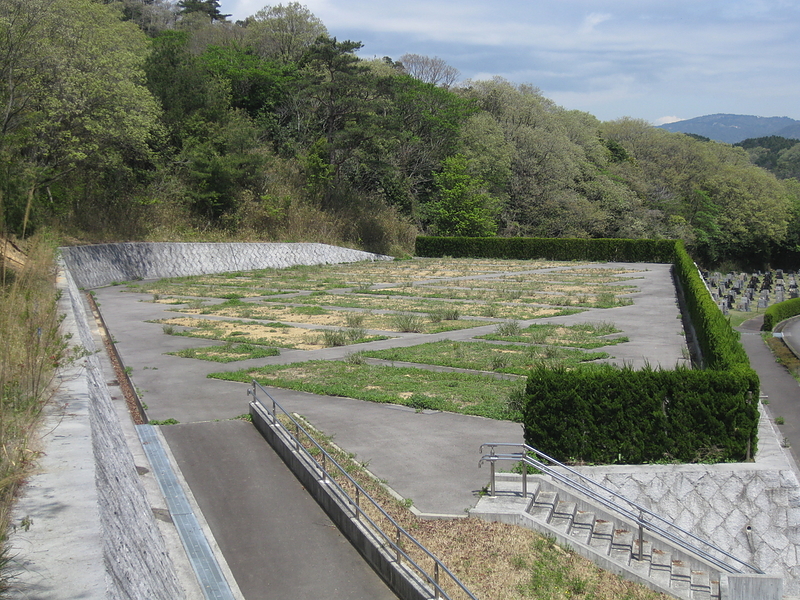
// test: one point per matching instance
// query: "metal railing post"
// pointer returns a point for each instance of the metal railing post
(358, 504)
(641, 536)
(436, 580)
(397, 546)
(524, 479)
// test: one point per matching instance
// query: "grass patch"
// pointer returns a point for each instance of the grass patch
(452, 392)
(582, 335)
(229, 352)
(783, 355)
(485, 357)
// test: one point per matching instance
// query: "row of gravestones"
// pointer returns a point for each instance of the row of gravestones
(756, 291)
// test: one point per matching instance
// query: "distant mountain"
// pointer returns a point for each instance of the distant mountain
(735, 128)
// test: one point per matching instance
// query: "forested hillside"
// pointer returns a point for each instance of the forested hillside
(144, 119)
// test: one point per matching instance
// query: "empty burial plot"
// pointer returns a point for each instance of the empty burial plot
(327, 277)
(480, 356)
(464, 393)
(315, 315)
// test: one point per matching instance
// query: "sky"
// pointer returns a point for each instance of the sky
(657, 60)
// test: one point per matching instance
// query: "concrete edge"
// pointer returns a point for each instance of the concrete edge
(403, 582)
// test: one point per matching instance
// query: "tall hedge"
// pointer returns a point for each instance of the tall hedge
(612, 249)
(607, 414)
(610, 415)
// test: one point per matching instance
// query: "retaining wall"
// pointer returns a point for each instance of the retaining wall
(102, 264)
(92, 533)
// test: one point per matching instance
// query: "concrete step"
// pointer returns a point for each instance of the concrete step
(543, 506)
(661, 567)
(602, 534)
(701, 586)
(622, 546)
(680, 577)
(582, 525)
(563, 515)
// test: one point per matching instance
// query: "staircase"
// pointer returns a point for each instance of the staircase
(613, 532)
(592, 532)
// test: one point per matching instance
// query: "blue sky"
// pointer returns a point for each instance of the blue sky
(658, 60)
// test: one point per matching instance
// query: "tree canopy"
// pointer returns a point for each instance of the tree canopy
(156, 119)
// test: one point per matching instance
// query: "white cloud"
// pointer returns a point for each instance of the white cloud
(644, 58)
(665, 120)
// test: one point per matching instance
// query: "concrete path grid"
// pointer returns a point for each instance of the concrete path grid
(271, 542)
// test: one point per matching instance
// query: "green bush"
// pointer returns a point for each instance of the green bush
(618, 250)
(780, 311)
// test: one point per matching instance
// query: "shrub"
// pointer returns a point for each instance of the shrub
(407, 322)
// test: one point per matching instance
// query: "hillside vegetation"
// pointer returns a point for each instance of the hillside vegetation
(132, 120)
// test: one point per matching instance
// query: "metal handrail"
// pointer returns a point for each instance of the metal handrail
(643, 517)
(329, 465)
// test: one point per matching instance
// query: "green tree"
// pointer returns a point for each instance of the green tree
(72, 89)
(283, 32)
(463, 207)
(207, 8)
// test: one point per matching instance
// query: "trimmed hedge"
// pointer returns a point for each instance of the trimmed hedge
(779, 312)
(609, 415)
(612, 249)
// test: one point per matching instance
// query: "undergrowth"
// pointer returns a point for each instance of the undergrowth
(31, 350)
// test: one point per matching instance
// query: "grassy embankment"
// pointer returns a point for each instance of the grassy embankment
(31, 348)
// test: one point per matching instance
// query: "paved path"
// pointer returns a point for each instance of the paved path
(429, 457)
(778, 388)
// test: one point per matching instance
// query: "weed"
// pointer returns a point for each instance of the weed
(334, 337)
(499, 361)
(355, 319)
(407, 322)
(169, 421)
(508, 329)
(490, 310)
(355, 358)
(780, 421)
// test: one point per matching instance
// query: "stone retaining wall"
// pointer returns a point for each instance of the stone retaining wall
(92, 533)
(102, 264)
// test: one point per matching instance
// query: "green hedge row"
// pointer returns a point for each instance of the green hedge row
(609, 415)
(614, 250)
(780, 311)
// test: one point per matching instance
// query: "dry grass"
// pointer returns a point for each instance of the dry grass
(31, 349)
(495, 561)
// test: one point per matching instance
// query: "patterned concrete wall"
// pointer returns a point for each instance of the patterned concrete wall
(719, 502)
(101, 264)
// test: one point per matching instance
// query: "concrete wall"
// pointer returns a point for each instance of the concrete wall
(102, 264)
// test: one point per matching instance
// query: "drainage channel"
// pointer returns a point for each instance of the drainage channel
(201, 557)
